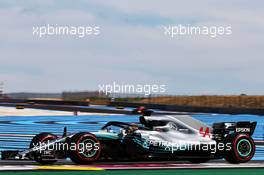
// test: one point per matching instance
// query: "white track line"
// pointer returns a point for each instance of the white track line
(17, 167)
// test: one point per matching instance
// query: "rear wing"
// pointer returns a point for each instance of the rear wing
(246, 127)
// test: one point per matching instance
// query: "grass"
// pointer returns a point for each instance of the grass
(242, 101)
(224, 101)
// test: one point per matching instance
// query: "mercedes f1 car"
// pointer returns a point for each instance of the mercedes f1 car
(167, 137)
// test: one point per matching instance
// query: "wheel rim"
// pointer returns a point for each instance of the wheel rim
(244, 147)
(88, 153)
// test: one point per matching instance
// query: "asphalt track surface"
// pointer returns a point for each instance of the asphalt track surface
(16, 132)
(24, 128)
(65, 165)
(147, 172)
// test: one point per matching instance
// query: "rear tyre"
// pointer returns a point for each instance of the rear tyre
(87, 148)
(40, 139)
(242, 148)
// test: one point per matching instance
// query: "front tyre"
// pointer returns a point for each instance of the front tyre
(242, 148)
(87, 148)
(39, 156)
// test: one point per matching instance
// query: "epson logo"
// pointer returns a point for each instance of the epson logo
(242, 129)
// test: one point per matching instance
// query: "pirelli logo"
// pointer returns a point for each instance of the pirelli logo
(242, 129)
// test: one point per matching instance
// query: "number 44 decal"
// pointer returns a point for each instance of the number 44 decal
(205, 132)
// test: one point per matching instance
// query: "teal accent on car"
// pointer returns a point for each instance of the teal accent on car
(106, 135)
(247, 153)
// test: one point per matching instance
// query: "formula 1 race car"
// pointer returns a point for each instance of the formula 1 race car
(160, 137)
